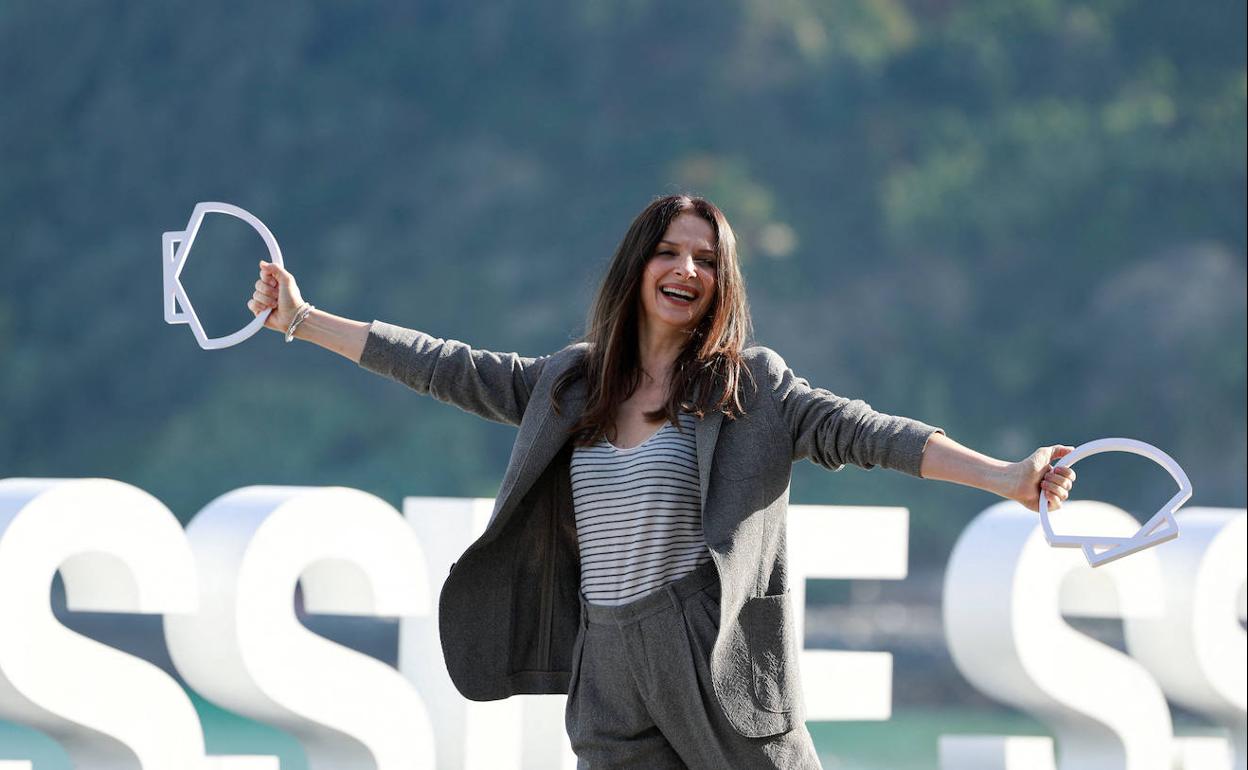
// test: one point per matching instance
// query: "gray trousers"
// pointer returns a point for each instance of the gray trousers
(641, 696)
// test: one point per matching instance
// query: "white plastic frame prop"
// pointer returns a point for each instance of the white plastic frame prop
(1160, 528)
(177, 247)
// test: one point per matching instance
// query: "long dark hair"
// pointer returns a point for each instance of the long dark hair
(707, 373)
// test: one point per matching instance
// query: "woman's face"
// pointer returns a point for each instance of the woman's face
(684, 259)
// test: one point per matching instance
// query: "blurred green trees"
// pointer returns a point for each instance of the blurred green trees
(1022, 220)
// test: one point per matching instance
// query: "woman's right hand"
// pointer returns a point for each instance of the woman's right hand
(276, 290)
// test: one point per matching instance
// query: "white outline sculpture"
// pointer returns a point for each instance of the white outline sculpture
(1158, 529)
(176, 247)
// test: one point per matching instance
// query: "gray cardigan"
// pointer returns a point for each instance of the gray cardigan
(509, 609)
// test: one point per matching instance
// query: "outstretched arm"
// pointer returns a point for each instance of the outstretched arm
(341, 335)
(832, 430)
(1023, 481)
(492, 385)
(495, 386)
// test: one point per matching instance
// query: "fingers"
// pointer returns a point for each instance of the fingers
(1060, 451)
(1052, 495)
(1055, 489)
(1055, 493)
(1057, 482)
(266, 294)
(270, 271)
(1064, 477)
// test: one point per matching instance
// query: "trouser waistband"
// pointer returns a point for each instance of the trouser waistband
(671, 595)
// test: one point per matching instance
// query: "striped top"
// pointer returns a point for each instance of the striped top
(638, 514)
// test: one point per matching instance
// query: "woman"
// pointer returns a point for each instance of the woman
(636, 556)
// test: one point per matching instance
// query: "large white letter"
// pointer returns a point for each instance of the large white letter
(246, 649)
(1005, 593)
(119, 550)
(827, 541)
(1197, 650)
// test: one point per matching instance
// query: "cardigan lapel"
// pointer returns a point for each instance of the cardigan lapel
(544, 436)
(707, 434)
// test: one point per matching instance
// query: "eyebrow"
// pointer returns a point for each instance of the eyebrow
(700, 251)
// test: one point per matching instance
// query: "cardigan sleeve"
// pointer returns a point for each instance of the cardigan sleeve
(495, 386)
(831, 430)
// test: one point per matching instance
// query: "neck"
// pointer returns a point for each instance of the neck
(657, 351)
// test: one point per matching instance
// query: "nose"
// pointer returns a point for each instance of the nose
(687, 266)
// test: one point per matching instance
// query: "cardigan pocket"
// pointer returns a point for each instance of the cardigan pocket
(770, 636)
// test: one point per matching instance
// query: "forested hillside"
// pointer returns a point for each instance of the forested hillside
(1021, 220)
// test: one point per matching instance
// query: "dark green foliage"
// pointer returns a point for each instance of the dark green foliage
(1021, 220)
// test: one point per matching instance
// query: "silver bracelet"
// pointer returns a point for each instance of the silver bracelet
(300, 314)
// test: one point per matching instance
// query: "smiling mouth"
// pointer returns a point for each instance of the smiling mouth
(676, 299)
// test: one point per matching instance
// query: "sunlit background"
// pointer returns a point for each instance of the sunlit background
(1020, 220)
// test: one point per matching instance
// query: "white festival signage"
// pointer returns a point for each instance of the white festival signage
(226, 583)
(118, 550)
(1006, 595)
(1161, 527)
(1195, 648)
(848, 543)
(176, 248)
(247, 651)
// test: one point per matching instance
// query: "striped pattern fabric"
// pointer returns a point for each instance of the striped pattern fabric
(638, 514)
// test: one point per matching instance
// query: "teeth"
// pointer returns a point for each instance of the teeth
(678, 292)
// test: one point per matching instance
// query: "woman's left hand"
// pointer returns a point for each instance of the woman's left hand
(1035, 474)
